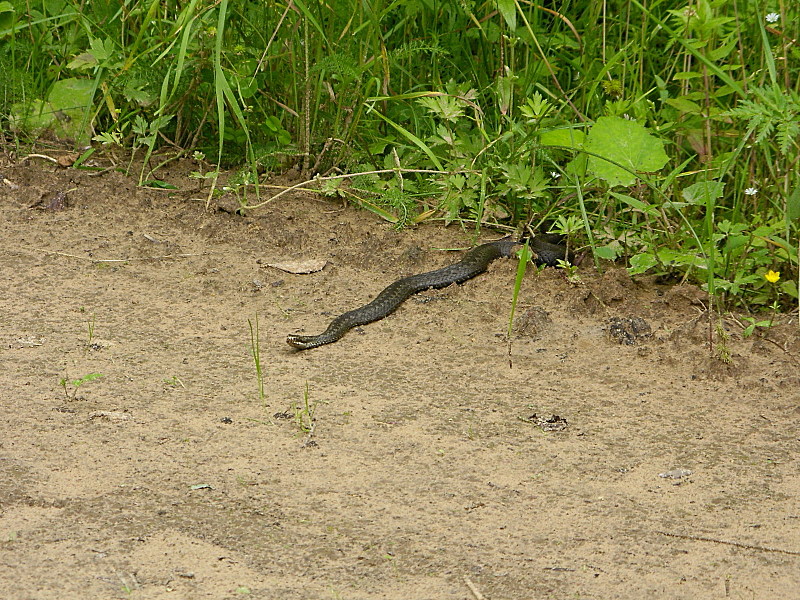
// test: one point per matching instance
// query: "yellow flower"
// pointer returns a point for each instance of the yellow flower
(772, 276)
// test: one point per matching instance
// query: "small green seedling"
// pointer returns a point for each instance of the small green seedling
(750, 329)
(570, 270)
(77, 383)
(304, 416)
(255, 350)
(174, 381)
(91, 329)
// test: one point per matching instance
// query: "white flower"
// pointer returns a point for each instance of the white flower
(773, 17)
(751, 191)
(555, 174)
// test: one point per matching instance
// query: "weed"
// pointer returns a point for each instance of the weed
(255, 350)
(722, 348)
(65, 382)
(174, 381)
(90, 325)
(304, 415)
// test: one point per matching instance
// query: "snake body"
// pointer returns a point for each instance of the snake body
(474, 262)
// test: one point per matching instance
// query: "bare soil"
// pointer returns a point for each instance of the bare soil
(612, 454)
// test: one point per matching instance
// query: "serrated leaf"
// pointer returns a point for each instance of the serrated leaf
(641, 263)
(624, 142)
(102, 49)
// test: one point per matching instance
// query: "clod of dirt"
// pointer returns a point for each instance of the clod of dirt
(533, 323)
(547, 422)
(614, 287)
(628, 330)
(685, 295)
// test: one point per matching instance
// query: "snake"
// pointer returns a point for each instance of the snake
(474, 262)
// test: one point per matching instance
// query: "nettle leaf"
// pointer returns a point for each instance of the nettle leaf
(627, 143)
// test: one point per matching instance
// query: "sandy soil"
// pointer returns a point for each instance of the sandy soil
(435, 467)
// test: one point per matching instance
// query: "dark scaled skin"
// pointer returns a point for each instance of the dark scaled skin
(475, 262)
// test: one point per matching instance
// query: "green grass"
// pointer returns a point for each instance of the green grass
(255, 352)
(667, 131)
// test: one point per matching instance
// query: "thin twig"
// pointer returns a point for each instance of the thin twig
(43, 156)
(698, 538)
(788, 354)
(473, 588)
(108, 260)
(345, 176)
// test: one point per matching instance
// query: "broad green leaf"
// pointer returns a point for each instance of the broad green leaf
(509, 12)
(71, 93)
(684, 105)
(608, 252)
(789, 287)
(703, 192)
(6, 15)
(641, 263)
(687, 75)
(637, 204)
(793, 205)
(571, 138)
(628, 147)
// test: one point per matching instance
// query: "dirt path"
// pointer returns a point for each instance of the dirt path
(430, 472)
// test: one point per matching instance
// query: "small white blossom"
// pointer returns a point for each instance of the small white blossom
(555, 174)
(751, 191)
(773, 17)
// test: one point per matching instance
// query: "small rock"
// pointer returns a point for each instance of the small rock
(675, 474)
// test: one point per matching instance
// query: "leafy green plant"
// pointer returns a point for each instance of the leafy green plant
(65, 382)
(304, 414)
(755, 324)
(663, 133)
(174, 381)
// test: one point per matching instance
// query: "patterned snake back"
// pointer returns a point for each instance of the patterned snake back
(474, 263)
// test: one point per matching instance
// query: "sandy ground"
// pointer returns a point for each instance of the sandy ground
(413, 459)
